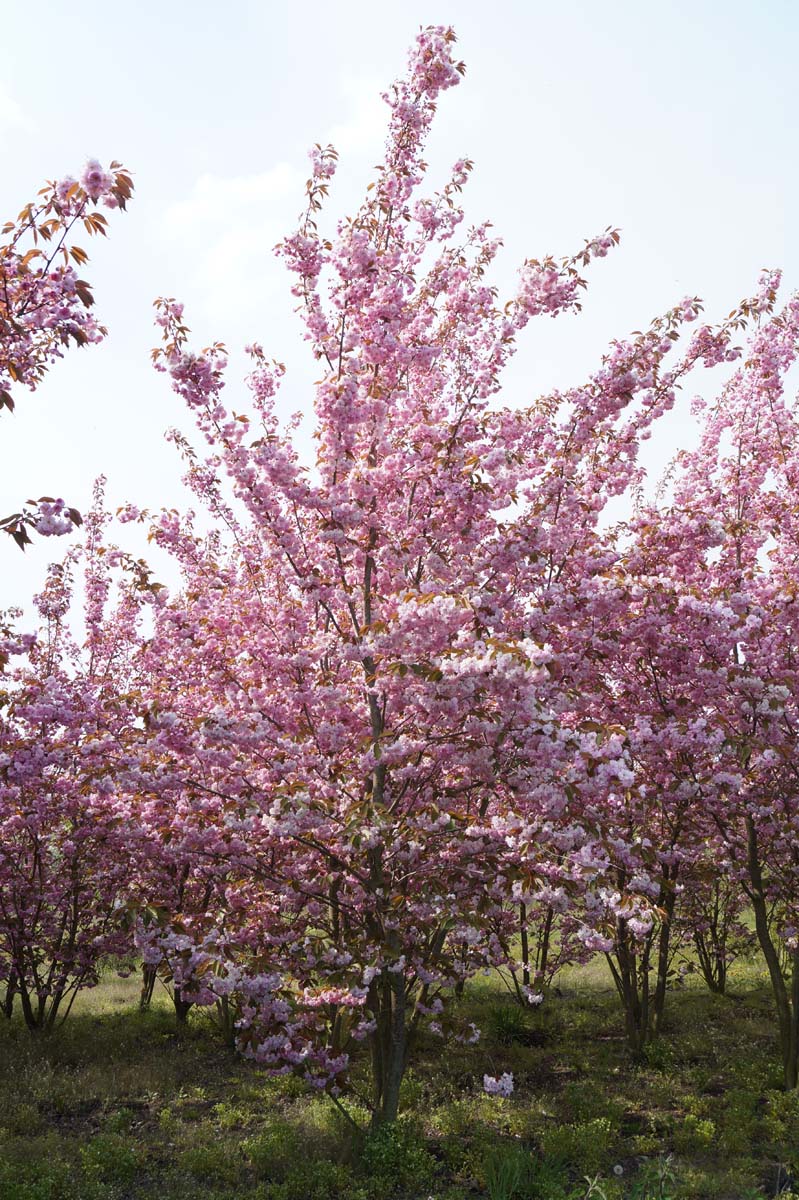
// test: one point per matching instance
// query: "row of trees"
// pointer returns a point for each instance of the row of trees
(416, 711)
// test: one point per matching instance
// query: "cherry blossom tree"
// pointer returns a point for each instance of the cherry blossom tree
(627, 638)
(747, 466)
(367, 702)
(725, 550)
(45, 307)
(67, 842)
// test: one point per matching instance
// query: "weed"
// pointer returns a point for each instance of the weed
(656, 1180)
(110, 1158)
(37, 1177)
(507, 1172)
(212, 1161)
(695, 1133)
(507, 1024)
(394, 1159)
(272, 1151)
(584, 1146)
(312, 1181)
(120, 1121)
(23, 1120)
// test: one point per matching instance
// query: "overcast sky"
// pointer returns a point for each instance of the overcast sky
(673, 121)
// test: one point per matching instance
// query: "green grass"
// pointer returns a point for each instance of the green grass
(117, 1106)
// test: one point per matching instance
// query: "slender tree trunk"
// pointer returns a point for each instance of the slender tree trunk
(33, 1014)
(390, 1040)
(226, 1018)
(460, 986)
(721, 977)
(376, 1047)
(52, 1011)
(711, 946)
(712, 963)
(546, 939)
(395, 1067)
(630, 972)
(792, 1062)
(525, 941)
(8, 999)
(787, 1003)
(389, 1048)
(669, 902)
(182, 1008)
(148, 977)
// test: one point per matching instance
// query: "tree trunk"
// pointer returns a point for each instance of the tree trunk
(668, 903)
(525, 940)
(8, 1000)
(148, 978)
(543, 954)
(227, 1021)
(630, 973)
(389, 1045)
(712, 963)
(182, 1008)
(712, 946)
(787, 1003)
(32, 1013)
(792, 1061)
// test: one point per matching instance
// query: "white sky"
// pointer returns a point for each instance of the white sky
(674, 121)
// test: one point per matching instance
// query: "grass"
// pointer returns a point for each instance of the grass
(116, 1106)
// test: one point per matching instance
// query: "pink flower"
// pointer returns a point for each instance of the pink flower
(95, 181)
(63, 186)
(52, 519)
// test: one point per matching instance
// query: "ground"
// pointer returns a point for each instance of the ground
(117, 1105)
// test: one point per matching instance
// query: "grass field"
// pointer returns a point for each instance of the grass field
(117, 1105)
